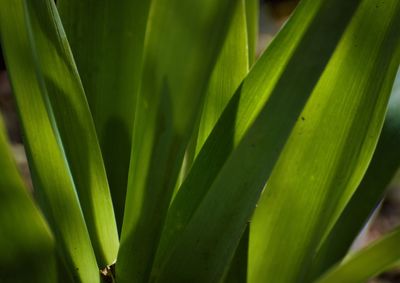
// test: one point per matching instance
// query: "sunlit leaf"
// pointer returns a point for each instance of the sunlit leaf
(182, 45)
(384, 164)
(330, 147)
(252, 19)
(51, 173)
(214, 203)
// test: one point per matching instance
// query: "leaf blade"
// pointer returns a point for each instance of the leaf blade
(24, 236)
(252, 18)
(383, 166)
(107, 41)
(49, 168)
(340, 133)
(364, 264)
(182, 45)
(75, 125)
(231, 166)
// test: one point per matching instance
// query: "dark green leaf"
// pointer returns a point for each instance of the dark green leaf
(107, 39)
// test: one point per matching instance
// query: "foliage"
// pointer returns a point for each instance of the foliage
(162, 150)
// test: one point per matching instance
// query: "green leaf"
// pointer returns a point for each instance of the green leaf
(231, 68)
(237, 272)
(27, 246)
(75, 125)
(107, 41)
(270, 100)
(51, 174)
(181, 49)
(330, 147)
(63, 273)
(366, 263)
(224, 80)
(384, 164)
(252, 19)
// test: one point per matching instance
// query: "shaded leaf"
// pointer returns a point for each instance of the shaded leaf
(107, 40)
(27, 246)
(366, 263)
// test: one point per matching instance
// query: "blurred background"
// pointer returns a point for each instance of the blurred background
(273, 14)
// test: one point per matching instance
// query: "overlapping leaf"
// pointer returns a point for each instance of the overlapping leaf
(107, 39)
(182, 45)
(43, 77)
(215, 203)
(330, 147)
(225, 78)
(73, 120)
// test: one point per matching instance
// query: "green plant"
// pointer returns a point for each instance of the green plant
(167, 82)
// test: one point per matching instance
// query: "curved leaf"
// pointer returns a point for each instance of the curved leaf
(366, 263)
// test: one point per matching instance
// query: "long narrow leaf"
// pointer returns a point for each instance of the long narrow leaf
(252, 18)
(27, 246)
(237, 271)
(182, 45)
(230, 69)
(273, 94)
(330, 148)
(384, 164)
(366, 263)
(75, 126)
(223, 82)
(48, 164)
(107, 39)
